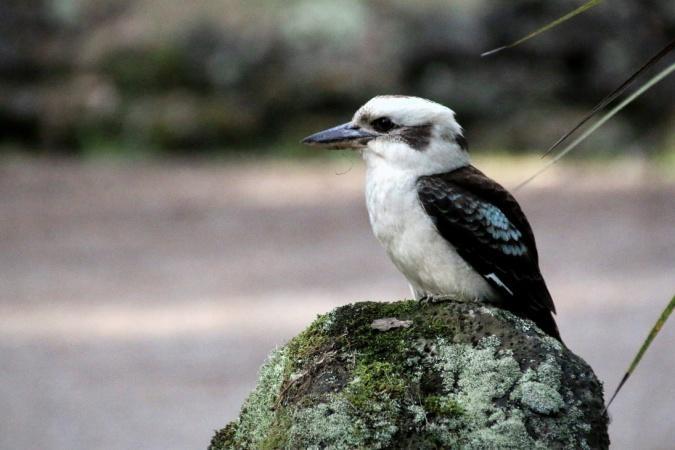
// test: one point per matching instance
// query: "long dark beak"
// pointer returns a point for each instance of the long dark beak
(341, 137)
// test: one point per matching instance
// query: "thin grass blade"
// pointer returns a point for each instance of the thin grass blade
(645, 345)
(613, 95)
(586, 6)
(645, 87)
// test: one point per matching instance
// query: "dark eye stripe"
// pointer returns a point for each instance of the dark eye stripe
(417, 137)
(462, 142)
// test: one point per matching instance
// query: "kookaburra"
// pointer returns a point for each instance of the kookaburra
(451, 230)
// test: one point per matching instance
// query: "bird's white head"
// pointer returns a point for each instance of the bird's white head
(410, 134)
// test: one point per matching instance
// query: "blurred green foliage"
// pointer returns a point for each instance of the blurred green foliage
(146, 78)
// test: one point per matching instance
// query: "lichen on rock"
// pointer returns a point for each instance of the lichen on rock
(446, 375)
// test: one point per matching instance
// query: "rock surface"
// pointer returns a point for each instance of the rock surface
(404, 375)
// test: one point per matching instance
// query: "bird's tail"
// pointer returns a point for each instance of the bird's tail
(545, 320)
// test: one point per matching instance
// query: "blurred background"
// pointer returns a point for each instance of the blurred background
(161, 229)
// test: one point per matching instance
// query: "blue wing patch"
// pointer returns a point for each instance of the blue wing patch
(505, 236)
(488, 229)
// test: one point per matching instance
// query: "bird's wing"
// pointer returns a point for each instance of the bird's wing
(486, 226)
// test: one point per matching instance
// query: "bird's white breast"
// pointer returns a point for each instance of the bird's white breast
(428, 261)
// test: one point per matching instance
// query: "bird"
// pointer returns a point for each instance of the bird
(449, 229)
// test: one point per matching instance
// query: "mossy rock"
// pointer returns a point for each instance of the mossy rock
(408, 375)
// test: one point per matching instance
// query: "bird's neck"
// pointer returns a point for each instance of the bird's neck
(378, 167)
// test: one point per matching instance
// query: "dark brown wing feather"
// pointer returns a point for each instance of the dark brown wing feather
(489, 230)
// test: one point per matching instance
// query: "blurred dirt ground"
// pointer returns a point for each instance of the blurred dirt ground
(137, 302)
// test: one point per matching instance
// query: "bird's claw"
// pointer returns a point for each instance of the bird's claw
(431, 299)
(425, 299)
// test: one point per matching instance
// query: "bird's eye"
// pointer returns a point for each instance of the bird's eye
(382, 125)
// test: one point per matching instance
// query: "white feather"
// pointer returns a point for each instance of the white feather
(431, 265)
(429, 262)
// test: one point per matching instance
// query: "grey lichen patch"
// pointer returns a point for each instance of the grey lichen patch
(475, 378)
(458, 376)
(258, 413)
(331, 424)
(540, 397)
(539, 388)
(507, 432)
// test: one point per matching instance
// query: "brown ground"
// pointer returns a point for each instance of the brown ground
(136, 303)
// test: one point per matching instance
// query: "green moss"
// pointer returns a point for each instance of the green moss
(277, 435)
(224, 438)
(366, 341)
(359, 316)
(442, 406)
(310, 342)
(372, 381)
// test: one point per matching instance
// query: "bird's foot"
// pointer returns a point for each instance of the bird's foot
(425, 299)
(431, 299)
